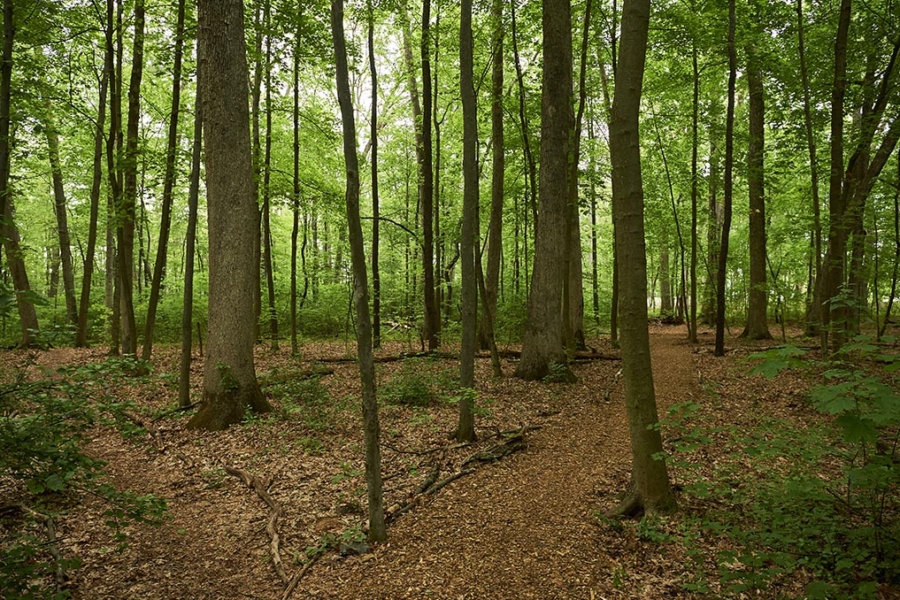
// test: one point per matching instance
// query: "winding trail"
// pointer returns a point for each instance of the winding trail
(526, 527)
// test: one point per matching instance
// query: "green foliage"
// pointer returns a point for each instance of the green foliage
(301, 396)
(822, 499)
(42, 429)
(413, 385)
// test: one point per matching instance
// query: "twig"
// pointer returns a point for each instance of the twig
(162, 416)
(292, 585)
(51, 540)
(275, 513)
(427, 451)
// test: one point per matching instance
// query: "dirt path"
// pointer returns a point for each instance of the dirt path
(527, 527)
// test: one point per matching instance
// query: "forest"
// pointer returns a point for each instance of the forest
(405, 299)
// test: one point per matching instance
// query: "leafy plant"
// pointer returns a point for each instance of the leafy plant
(411, 386)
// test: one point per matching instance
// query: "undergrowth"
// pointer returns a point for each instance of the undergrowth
(44, 472)
(817, 501)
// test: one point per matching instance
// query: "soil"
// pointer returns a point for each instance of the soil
(525, 526)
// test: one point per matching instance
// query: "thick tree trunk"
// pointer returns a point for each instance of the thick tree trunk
(377, 531)
(465, 430)
(542, 348)
(649, 489)
(159, 266)
(757, 327)
(229, 378)
(187, 314)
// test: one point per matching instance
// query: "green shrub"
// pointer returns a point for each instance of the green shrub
(301, 396)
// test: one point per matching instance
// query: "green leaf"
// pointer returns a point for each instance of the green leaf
(54, 483)
(857, 429)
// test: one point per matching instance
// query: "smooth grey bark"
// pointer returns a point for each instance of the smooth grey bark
(229, 375)
(542, 347)
(377, 530)
(162, 248)
(465, 430)
(649, 489)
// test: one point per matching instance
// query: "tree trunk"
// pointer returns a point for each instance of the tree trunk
(113, 163)
(531, 168)
(159, 266)
(887, 311)
(757, 327)
(729, 186)
(128, 201)
(465, 430)
(60, 209)
(81, 333)
(498, 172)
(27, 315)
(268, 265)
(376, 207)
(295, 204)
(432, 321)
(542, 347)
(695, 117)
(377, 531)
(649, 489)
(229, 378)
(255, 100)
(187, 314)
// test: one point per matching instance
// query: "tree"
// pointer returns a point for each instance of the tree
(757, 328)
(465, 430)
(542, 347)
(159, 266)
(229, 376)
(649, 489)
(10, 233)
(377, 530)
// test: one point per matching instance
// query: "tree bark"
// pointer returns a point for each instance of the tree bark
(268, 265)
(377, 531)
(187, 314)
(649, 489)
(229, 377)
(162, 248)
(757, 327)
(465, 430)
(432, 319)
(295, 200)
(16, 264)
(498, 172)
(722, 273)
(376, 206)
(542, 347)
(127, 203)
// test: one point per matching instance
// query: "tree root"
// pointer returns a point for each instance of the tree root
(275, 513)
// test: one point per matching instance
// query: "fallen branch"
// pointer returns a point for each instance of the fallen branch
(427, 450)
(292, 585)
(275, 513)
(162, 416)
(59, 574)
(498, 451)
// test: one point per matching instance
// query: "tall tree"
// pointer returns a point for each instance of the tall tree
(376, 207)
(187, 311)
(159, 266)
(127, 202)
(81, 331)
(542, 348)
(432, 321)
(377, 530)
(27, 315)
(268, 262)
(649, 489)
(498, 173)
(295, 199)
(757, 327)
(722, 273)
(468, 245)
(229, 375)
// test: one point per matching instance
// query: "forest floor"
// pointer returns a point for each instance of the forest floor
(528, 525)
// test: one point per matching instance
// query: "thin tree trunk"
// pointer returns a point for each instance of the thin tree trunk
(432, 322)
(729, 185)
(81, 333)
(268, 265)
(187, 314)
(60, 210)
(114, 174)
(377, 530)
(525, 127)
(159, 266)
(465, 430)
(295, 204)
(887, 310)
(376, 205)
(128, 201)
(498, 172)
(255, 102)
(695, 117)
